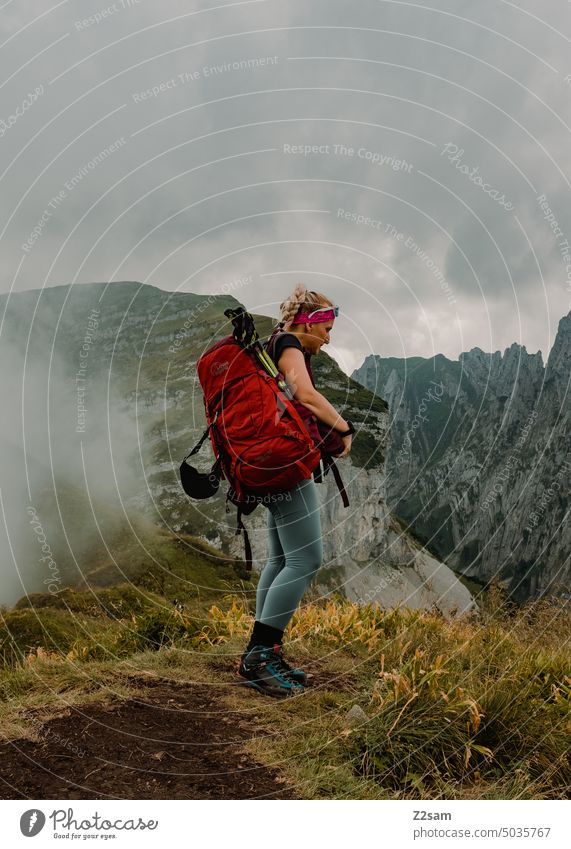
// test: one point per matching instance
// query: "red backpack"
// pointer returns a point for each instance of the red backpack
(257, 435)
(261, 443)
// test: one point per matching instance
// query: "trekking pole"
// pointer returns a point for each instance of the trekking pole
(270, 367)
(246, 333)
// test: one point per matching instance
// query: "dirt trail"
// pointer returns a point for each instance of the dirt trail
(174, 741)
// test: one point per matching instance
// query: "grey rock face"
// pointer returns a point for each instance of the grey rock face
(478, 459)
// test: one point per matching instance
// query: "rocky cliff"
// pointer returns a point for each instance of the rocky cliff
(478, 459)
(106, 377)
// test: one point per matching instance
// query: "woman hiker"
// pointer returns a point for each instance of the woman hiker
(295, 550)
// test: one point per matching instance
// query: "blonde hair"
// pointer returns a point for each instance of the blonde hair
(301, 300)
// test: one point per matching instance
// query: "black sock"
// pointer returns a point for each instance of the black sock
(264, 635)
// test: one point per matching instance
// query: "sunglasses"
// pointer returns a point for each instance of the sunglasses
(335, 311)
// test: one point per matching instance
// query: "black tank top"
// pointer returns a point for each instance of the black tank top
(282, 340)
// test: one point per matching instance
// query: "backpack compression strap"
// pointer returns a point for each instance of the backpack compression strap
(329, 463)
(247, 547)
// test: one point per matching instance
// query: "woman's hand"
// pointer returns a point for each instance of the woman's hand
(347, 441)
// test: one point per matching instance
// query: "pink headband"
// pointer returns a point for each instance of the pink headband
(317, 316)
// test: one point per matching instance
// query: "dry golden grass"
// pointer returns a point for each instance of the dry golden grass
(463, 707)
(477, 706)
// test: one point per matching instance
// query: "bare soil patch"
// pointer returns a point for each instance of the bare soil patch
(175, 741)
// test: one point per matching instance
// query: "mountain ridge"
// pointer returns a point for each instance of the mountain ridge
(468, 472)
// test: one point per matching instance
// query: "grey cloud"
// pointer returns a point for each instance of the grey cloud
(409, 115)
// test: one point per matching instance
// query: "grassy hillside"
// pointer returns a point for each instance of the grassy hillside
(400, 705)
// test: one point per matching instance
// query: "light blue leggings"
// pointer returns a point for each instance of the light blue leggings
(295, 553)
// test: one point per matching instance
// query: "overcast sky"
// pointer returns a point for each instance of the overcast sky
(157, 142)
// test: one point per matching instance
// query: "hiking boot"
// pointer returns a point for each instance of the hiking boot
(263, 669)
(293, 671)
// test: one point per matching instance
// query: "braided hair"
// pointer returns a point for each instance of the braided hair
(301, 300)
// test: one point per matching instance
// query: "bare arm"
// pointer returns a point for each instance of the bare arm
(292, 366)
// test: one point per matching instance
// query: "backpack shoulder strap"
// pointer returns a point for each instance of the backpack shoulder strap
(270, 345)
